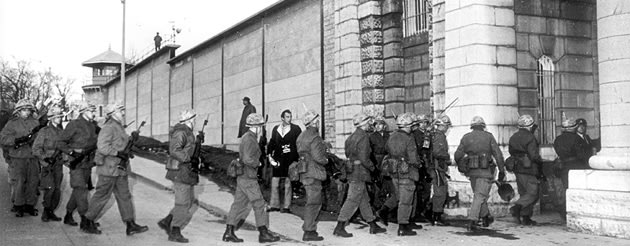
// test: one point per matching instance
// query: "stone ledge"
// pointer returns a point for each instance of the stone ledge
(598, 203)
(599, 226)
(603, 180)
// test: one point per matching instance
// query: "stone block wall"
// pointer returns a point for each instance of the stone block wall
(373, 66)
(566, 32)
(438, 58)
(329, 70)
(417, 74)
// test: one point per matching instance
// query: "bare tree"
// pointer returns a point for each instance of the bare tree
(20, 80)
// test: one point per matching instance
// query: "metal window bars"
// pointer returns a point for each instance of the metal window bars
(415, 17)
(546, 103)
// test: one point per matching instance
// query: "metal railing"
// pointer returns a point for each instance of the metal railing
(415, 17)
(546, 100)
(149, 50)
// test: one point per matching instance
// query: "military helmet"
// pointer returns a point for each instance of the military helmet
(506, 191)
(405, 120)
(111, 108)
(254, 119)
(422, 118)
(85, 106)
(477, 121)
(581, 121)
(443, 120)
(379, 120)
(23, 104)
(310, 116)
(55, 112)
(360, 119)
(525, 121)
(569, 123)
(187, 115)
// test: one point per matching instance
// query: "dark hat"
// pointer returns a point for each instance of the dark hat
(581, 121)
(246, 99)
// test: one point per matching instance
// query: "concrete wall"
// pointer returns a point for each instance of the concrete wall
(564, 31)
(207, 95)
(159, 123)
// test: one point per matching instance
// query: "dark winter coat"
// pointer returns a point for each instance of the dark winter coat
(571, 150)
(242, 128)
(278, 145)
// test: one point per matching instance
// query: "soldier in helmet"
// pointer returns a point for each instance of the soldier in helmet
(247, 188)
(476, 150)
(423, 146)
(179, 170)
(312, 151)
(378, 139)
(403, 167)
(438, 169)
(51, 174)
(78, 141)
(570, 149)
(112, 140)
(523, 146)
(358, 170)
(18, 135)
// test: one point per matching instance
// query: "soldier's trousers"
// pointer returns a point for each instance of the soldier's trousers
(405, 192)
(26, 179)
(313, 189)
(248, 191)
(440, 192)
(79, 197)
(528, 191)
(358, 198)
(183, 210)
(481, 189)
(50, 182)
(11, 180)
(275, 192)
(105, 186)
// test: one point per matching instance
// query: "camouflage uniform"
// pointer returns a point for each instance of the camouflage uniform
(438, 169)
(181, 148)
(402, 145)
(524, 146)
(311, 147)
(51, 175)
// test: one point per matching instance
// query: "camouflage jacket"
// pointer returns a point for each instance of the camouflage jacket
(16, 128)
(79, 135)
(45, 144)
(358, 151)
(249, 153)
(111, 139)
(480, 142)
(311, 147)
(403, 145)
(524, 144)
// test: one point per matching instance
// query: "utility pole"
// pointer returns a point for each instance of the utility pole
(123, 62)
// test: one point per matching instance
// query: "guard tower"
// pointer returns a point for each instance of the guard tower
(105, 67)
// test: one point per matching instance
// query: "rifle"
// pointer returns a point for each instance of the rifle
(262, 144)
(134, 137)
(73, 164)
(21, 141)
(194, 159)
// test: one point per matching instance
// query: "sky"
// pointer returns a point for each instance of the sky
(61, 34)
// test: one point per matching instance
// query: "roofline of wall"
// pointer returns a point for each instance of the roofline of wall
(167, 48)
(248, 21)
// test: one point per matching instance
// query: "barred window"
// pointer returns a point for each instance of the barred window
(546, 104)
(415, 17)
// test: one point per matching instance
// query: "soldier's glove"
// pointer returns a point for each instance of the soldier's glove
(501, 176)
(122, 155)
(201, 137)
(21, 140)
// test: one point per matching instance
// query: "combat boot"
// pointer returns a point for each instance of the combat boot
(229, 235)
(404, 230)
(311, 236)
(472, 226)
(89, 227)
(375, 229)
(51, 215)
(265, 236)
(84, 222)
(340, 230)
(133, 228)
(30, 210)
(516, 213)
(527, 220)
(45, 217)
(165, 224)
(19, 211)
(487, 221)
(414, 226)
(383, 214)
(68, 220)
(439, 220)
(175, 235)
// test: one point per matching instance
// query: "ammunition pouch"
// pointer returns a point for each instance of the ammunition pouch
(481, 161)
(235, 168)
(187, 175)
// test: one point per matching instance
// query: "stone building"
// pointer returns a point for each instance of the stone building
(498, 58)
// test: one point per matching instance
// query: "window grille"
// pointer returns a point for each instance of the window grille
(415, 17)
(546, 103)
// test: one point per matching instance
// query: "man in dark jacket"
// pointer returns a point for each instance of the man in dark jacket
(423, 187)
(247, 110)
(358, 170)
(179, 171)
(247, 188)
(378, 140)
(478, 148)
(51, 174)
(312, 151)
(569, 147)
(523, 147)
(16, 135)
(403, 169)
(282, 152)
(438, 169)
(78, 141)
(589, 145)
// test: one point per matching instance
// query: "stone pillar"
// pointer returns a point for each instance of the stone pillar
(597, 200)
(480, 65)
(394, 83)
(347, 62)
(372, 64)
